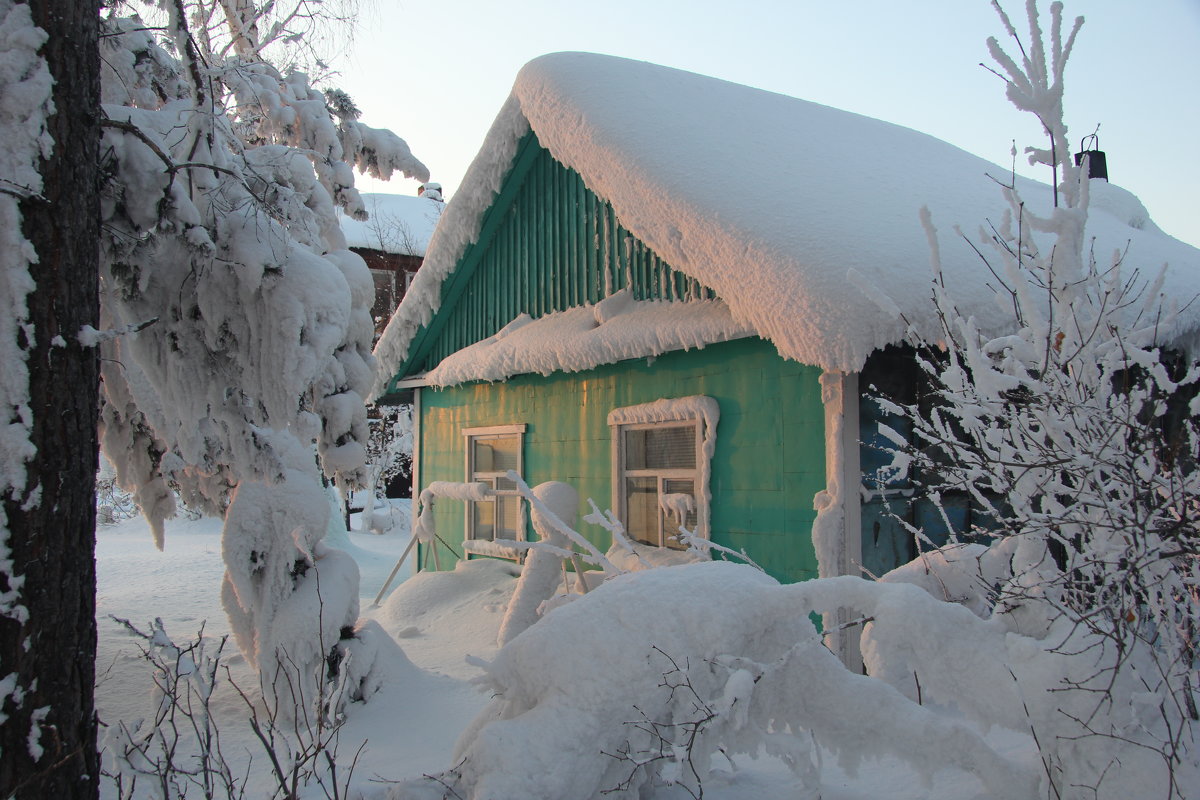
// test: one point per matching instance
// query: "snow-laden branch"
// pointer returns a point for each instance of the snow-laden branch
(90, 337)
(1059, 434)
(591, 553)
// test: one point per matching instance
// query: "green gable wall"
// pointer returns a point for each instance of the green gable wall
(770, 452)
(546, 244)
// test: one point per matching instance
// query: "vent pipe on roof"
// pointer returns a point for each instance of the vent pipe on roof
(1097, 164)
(430, 191)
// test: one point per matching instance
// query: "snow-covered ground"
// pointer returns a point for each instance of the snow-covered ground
(411, 725)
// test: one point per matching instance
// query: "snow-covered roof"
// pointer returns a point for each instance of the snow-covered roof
(786, 208)
(398, 223)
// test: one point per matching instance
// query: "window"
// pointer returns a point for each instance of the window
(661, 455)
(386, 296)
(491, 453)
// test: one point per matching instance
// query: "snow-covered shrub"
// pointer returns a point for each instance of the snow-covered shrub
(669, 676)
(177, 751)
(648, 678)
(541, 575)
(178, 748)
(240, 328)
(1075, 432)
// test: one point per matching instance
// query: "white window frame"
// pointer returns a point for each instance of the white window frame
(470, 437)
(699, 412)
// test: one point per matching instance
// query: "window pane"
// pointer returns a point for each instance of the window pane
(508, 515)
(678, 504)
(641, 507)
(483, 520)
(497, 454)
(661, 448)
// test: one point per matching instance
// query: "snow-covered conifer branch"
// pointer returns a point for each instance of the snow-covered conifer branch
(223, 176)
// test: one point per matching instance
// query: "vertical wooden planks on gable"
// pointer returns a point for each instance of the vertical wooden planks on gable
(588, 250)
(578, 236)
(563, 274)
(552, 245)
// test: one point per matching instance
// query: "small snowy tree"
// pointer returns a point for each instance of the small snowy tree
(1074, 433)
(392, 233)
(389, 456)
(244, 319)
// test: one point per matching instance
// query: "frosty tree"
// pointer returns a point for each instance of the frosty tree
(244, 320)
(233, 323)
(1075, 431)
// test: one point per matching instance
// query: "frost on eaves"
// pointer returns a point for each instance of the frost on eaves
(456, 230)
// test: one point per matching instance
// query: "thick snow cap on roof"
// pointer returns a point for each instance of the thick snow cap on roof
(772, 202)
(398, 223)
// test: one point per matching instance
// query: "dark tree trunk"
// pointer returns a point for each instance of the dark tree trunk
(52, 530)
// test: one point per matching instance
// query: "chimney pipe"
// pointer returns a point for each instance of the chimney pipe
(1097, 164)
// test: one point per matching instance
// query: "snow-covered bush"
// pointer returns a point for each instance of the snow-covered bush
(178, 748)
(113, 503)
(240, 329)
(1075, 433)
(672, 676)
(541, 575)
(650, 677)
(179, 751)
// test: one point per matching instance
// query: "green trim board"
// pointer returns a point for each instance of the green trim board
(547, 243)
(768, 464)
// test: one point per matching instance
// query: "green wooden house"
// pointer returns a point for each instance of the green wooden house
(672, 292)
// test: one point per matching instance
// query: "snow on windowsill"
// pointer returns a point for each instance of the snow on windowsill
(673, 409)
(483, 547)
(644, 556)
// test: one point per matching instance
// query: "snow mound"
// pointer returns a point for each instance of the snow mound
(471, 600)
(601, 699)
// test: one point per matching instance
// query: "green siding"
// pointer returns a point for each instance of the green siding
(547, 244)
(770, 453)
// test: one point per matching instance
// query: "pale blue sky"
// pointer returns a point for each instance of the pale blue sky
(437, 71)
